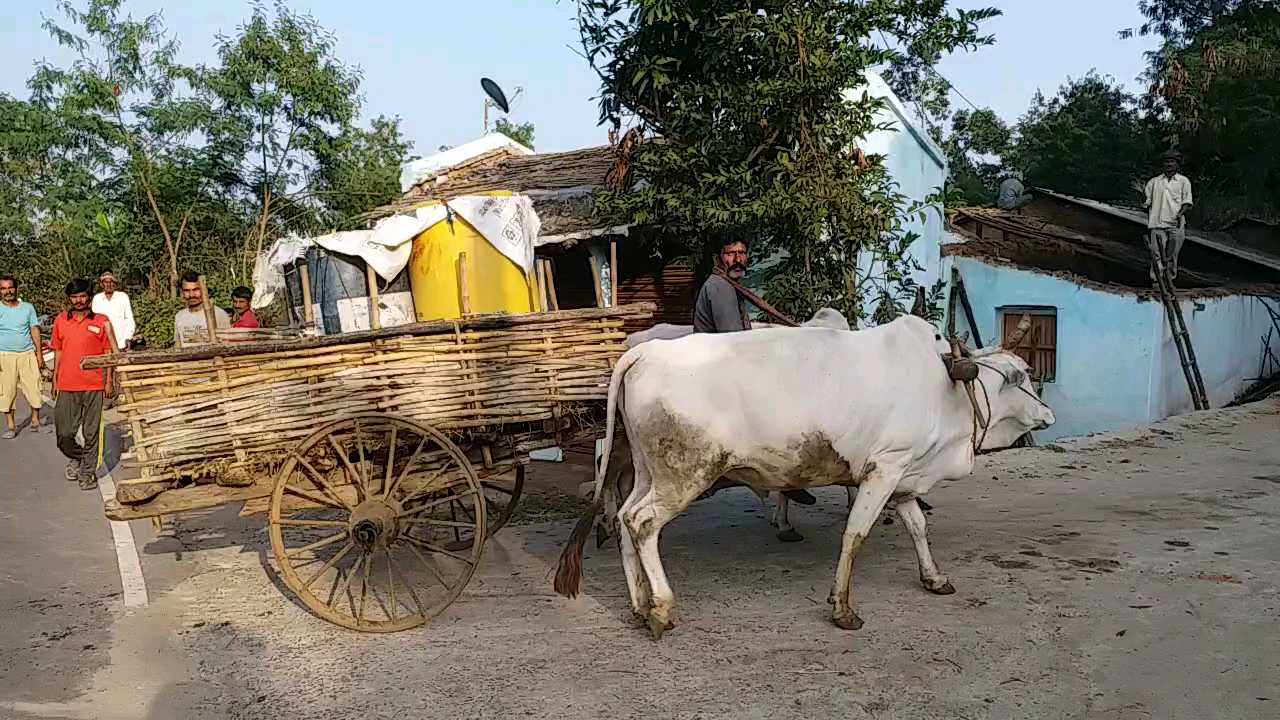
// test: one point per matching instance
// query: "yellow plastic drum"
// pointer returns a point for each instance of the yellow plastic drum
(492, 282)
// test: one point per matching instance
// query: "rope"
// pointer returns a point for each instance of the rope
(755, 299)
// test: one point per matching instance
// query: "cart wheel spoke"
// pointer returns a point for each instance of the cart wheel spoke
(320, 481)
(395, 568)
(315, 497)
(365, 479)
(427, 506)
(318, 544)
(405, 471)
(391, 460)
(437, 549)
(427, 564)
(328, 565)
(352, 473)
(326, 537)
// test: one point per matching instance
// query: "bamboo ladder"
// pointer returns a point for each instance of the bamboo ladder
(1178, 327)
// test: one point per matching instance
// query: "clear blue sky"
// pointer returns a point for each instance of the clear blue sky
(422, 59)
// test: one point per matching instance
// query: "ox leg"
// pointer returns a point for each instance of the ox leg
(782, 521)
(645, 520)
(932, 578)
(637, 581)
(873, 495)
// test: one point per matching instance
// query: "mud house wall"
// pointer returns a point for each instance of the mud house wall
(919, 169)
(1226, 334)
(1104, 344)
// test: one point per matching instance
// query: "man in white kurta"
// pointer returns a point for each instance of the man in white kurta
(116, 306)
(1168, 198)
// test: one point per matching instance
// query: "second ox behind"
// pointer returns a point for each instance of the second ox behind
(780, 409)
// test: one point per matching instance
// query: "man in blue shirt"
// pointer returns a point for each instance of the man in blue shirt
(21, 356)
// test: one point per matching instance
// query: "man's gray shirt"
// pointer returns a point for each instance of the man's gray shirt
(719, 308)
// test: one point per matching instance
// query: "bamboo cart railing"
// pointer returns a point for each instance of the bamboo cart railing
(376, 443)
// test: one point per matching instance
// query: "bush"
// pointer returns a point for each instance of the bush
(153, 315)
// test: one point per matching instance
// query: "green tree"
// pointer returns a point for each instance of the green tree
(975, 149)
(1215, 83)
(359, 170)
(127, 115)
(758, 114)
(281, 98)
(521, 133)
(1088, 140)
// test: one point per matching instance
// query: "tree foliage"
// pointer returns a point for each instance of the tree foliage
(1089, 140)
(755, 115)
(1215, 84)
(520, 132)
(126, 158)
(975, 148)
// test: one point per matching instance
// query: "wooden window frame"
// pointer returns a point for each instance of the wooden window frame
(1034, 343)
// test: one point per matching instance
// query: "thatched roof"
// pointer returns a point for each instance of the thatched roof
(561, 186)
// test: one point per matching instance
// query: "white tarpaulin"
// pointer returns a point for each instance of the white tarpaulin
(267, 277)
(509, 223)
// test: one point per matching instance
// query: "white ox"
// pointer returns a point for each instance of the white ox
(825, 318)
(799, 408)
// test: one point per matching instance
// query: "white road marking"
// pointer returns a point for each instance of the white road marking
(131, 580)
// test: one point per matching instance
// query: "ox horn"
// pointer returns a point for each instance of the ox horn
(1024, 327)
(1016, 338)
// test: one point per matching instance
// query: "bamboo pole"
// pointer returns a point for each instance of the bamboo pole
(551, 285)
(464, 293)
(540, 304)
(615, 278)
(308, 319)
(375, 313)
(595, 275)
(210, 320)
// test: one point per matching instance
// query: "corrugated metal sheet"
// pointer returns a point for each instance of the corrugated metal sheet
(672, 287)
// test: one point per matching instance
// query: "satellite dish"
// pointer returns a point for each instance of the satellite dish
(495, 94)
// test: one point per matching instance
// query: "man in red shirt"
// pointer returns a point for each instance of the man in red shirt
(244, 317)
(78, 333)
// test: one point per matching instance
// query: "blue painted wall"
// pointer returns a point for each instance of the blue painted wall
(1117, 364)
(1105, 344)
(1226, 334)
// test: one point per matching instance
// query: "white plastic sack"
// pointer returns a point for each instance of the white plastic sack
(267, 277)
(508, 223)
(386, 261)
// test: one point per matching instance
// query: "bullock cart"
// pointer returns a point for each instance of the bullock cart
(383, 459)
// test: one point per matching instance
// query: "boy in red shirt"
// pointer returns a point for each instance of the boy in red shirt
(78, 333)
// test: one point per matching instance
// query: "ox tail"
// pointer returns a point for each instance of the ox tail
(568, 578)
(569, 571)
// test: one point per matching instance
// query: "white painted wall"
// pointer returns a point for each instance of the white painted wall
(919, 168)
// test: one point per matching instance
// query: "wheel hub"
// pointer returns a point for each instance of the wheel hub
(373, 525)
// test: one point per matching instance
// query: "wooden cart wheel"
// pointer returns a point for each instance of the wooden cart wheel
(360, 519)
(500, 499)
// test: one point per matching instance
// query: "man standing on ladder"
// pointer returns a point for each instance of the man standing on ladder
(1168, 198)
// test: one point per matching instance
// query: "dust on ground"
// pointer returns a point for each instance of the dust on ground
(1131, 575)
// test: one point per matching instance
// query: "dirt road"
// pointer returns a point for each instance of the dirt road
(1120, 576)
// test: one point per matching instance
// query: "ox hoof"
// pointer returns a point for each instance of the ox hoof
(943, 588)
(849, 621)
(658, 626)
(790, 535)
